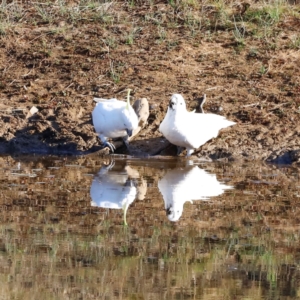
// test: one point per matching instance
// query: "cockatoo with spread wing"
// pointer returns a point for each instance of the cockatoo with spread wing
(113, 118)
(111, 189)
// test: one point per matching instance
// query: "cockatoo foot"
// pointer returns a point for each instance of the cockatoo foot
(189, 152)
(110, 146)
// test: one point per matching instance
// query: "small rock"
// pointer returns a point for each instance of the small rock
(233, 142)
(268, 141)
(295, 155)
(31, 112)
(153, 106)
(141, 108)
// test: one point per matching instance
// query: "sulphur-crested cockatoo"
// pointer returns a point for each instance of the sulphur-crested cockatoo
(188, 129)
(113, 118)
(186, 184)
(112, 189)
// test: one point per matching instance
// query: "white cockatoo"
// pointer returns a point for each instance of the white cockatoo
(189, 129)
(112, 189)
(113, 118)
(186, 184)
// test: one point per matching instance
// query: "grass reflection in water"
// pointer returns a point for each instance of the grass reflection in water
(54, 244)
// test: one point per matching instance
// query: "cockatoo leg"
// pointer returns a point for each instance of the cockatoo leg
(189, 152)
(110, 146)
(106, 143)
(111, 165)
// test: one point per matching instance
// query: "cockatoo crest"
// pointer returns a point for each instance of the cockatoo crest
(128, 99)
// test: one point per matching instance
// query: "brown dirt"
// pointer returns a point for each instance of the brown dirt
(59, 64)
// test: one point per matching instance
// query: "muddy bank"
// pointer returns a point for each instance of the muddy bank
(69, 131)
(59, 64)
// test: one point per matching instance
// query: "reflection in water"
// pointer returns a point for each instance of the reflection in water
(55, 245)
(115, 189)
(186, 184)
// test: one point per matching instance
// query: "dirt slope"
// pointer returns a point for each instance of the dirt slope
(244, 56)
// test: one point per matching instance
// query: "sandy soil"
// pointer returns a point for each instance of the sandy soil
(59, 64)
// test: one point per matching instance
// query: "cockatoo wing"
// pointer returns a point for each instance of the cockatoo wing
(107, 118)
(191, 183)
(105, 100)
(199, 128)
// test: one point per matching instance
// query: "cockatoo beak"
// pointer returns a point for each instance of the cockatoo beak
(168, 211)
(129, 132)
(171, 103)
(128, 98)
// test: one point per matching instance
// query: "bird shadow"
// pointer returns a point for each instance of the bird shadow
(145, 147)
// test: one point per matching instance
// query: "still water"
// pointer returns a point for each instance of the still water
(115, 228)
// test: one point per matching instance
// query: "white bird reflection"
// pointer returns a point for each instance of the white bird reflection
(186, 184)
(117, 189)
